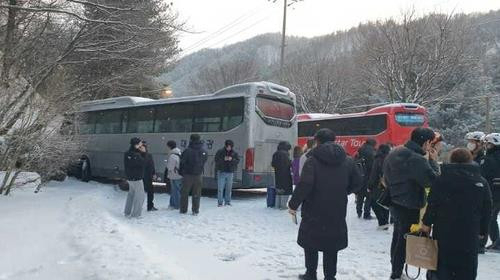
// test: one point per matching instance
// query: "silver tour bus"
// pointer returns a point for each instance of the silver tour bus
(256, 116)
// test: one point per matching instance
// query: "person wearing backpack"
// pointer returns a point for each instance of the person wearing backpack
(491, 172)
(375, 187)
(175, 179)
(364, 160)
(191, 168)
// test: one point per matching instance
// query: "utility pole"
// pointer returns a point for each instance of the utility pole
(283, 38)
(488, 114)
(286, 4)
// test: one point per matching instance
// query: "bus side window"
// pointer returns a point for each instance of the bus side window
(233, 113)
(140, 120)
(108, 122)
(87, 123)
(174, 118)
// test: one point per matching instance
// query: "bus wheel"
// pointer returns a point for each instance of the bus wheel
(86, 175)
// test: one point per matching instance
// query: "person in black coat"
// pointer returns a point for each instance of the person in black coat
(226, 163)
(191, 169)
(282, 165)
(134, 172)
(490, 168)
(375, 186)
(408, 170)
(366, 154)
(149, 175)
(327, 178)
(459, 208)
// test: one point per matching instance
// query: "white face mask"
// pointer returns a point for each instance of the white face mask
(471, 146)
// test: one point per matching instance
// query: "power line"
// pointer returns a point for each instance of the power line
(225, 28)
(240, 31)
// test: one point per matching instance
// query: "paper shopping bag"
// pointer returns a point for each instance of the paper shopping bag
(421, 252)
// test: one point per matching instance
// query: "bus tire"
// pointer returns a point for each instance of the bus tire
(86, 173)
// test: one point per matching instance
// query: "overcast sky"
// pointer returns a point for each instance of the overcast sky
(222, 22)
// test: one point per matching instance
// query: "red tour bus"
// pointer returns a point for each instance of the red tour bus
(391, 123)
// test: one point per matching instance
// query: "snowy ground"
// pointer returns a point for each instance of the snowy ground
(74, 230)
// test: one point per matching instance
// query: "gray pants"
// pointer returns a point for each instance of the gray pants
(135, 199)
(191, 184)
(281, 201)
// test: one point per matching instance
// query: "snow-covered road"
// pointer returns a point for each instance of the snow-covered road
(75, 230)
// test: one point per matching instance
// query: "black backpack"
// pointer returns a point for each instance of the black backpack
(360, 163)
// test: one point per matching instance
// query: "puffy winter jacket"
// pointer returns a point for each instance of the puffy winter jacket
(328, 177)
(134, 165)
(173, 164)
(490, 169)
(193, 159)
(406, 173)
(229, 166)
(282, 171)
(459, 207)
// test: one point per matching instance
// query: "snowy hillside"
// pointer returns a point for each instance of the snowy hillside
(74, 230)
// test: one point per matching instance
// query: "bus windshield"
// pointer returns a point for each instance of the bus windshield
(410, 119)
(275, 109)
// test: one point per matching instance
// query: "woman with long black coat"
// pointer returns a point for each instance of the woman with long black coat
(328, 177)
(458, 211)
(282, 165)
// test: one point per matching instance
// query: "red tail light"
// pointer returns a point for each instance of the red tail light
(249, 159)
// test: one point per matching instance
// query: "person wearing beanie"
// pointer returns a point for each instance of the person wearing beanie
(226, 163)
(134, 172)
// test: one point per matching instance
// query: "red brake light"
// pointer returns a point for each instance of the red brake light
(249, 159)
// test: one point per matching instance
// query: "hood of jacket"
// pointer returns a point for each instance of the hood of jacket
(196, 145)
(460, 170)
(284, 146)
(175, 151)
(329, 153)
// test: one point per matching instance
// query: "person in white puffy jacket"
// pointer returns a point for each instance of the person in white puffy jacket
(173, 163)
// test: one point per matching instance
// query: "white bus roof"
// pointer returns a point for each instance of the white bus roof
(132, 101)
